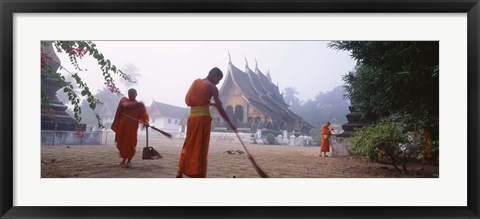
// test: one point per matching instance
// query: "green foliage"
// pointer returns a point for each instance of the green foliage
(395, 77)
(45, 102)
(435, 147)
(317, 139)
(69, 90)
(91, 117)
(388, 140)
(270, 138)
(77, 50)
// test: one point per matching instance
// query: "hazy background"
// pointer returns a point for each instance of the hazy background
(165, 69)
(308, 73)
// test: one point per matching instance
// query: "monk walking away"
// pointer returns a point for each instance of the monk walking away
(325, 144)
(193, 158)
(126, 128)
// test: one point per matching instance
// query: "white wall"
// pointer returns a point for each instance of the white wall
(162, 123)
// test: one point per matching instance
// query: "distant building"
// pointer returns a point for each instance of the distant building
(169, 118)
(253, 102)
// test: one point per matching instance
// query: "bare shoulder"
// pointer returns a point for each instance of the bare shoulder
(207, 82)
(211, 87)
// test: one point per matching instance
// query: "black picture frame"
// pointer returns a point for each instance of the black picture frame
(9, 7)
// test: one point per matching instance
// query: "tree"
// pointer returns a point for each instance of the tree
(77, 50)
(326, 106)
(290, 96)
(395, 78)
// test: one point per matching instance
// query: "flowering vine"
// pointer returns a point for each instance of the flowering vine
(78, 50)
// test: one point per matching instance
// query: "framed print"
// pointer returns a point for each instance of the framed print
(28, 191)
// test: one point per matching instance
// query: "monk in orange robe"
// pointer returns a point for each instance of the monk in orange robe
(325, 144)
(125, 128)
(427, 150)
(193, 158)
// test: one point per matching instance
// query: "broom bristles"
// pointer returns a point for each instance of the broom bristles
(257, 168)
(163, 132)
(255, 165)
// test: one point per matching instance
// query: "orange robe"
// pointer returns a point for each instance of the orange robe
(193, 158)
(325, 145)
(126, 128)
(427, 145)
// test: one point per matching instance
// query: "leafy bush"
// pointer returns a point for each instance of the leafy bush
(317, 139)
(270, 138)
(388, 141)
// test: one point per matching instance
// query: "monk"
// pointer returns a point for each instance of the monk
(427, 145)
(125, 128)
(325, 144)
(193, 158)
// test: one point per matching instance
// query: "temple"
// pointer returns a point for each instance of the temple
(253, 102)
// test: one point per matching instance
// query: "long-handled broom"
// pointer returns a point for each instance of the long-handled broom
(150, 153)
(255, 165)
(153, 127)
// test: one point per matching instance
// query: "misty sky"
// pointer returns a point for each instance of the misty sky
(167, 68)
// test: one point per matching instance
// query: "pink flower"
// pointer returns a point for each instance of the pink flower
(44, 58)
(80, 134)
(50, 112)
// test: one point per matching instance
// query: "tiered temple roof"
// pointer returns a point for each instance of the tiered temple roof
(258, 90)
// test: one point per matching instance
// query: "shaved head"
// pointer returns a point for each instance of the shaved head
(215, 72)
(132, 94)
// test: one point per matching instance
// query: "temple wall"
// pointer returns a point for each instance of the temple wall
(70, 138)
(253, 112)
(234, 101)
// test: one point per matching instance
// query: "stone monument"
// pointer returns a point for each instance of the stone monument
(55, 118)
(340, 141)
(57, 126)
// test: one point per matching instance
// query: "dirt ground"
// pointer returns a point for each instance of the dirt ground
(278, 161)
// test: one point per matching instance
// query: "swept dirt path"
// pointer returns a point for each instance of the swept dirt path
(279, 161)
